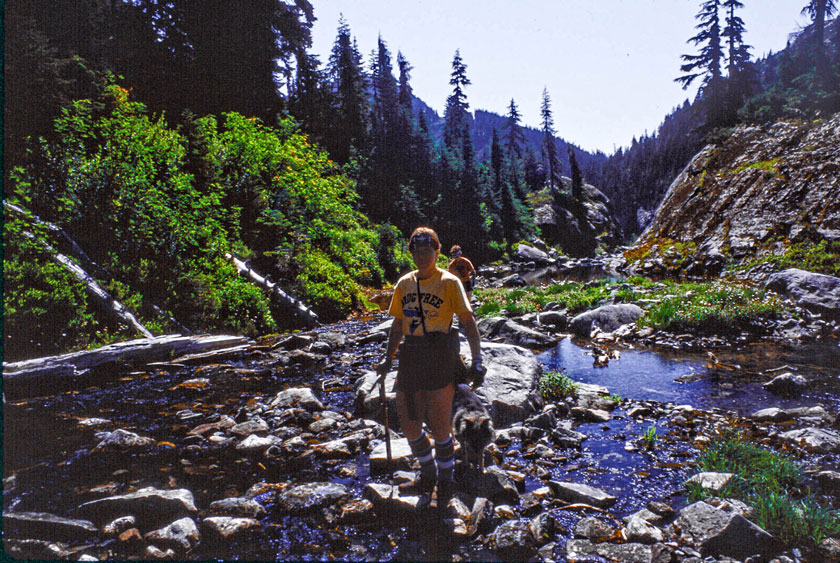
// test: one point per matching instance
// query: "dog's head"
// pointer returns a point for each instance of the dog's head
(475, 431)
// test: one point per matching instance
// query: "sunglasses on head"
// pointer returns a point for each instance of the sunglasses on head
(422, 240)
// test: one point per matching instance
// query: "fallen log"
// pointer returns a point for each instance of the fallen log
(86, 269)
(54, 374)
(299, 312)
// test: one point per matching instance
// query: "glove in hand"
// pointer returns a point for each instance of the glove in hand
(477, 373)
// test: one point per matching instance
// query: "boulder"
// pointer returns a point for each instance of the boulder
(236, 506)
(607, 317)
(718, 532)
(525, 253)
(226, 528)
(152, 507)
(302, 397)
(121, 440)
(816, 439)
(181, 535)
(816, 292)
(311, 497)
(515, 541)
(578, 493)
(514, 333)
(787, 385)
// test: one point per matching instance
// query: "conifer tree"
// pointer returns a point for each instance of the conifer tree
(742, 74)
(405, 76)
(550, 158)
(456, 116)
(514, 138)
(348, 81)
(818, 11)
(577, 179)
(707, 63)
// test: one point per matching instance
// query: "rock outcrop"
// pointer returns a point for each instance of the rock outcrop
(751, 195)
(578, 227)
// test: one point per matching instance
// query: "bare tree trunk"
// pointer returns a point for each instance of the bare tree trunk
(299, 311)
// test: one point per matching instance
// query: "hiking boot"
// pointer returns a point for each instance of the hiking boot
(445, 490)
(425, 483)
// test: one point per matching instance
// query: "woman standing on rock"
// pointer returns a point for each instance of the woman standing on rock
(423, 304)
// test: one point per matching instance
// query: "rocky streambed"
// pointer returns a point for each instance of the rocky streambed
(275, 451)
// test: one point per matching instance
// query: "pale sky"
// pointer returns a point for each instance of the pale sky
(609, 65)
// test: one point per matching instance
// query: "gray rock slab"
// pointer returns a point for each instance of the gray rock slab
(711, 480)
(720, 532)
(181, 535)
(311, 497)
(236, 506)
(42, 525)
(819, 439)
(302, 397)
(578, 493)
(816, 292)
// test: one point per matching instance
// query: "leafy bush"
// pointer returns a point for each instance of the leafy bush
(773, 485)
(44, 306)
(158, 207)
(554, 385)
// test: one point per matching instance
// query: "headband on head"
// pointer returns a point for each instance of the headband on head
(422, 239)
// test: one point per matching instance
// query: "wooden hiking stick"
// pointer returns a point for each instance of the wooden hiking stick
(384, 401)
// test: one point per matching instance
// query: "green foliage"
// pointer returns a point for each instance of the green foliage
(773, 485)
(556, 385)
(44, 306)
(711, 306)
(822, 257)
(572, 295)
(157, 208)
(650, 437)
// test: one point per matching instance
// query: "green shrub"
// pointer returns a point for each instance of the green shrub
(45, 308)
(554, 385)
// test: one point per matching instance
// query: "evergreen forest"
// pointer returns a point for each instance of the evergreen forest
(149, 141)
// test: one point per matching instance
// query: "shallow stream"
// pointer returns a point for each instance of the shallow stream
(48, 451)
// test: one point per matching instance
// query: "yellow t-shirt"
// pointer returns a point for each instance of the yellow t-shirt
(442, 296)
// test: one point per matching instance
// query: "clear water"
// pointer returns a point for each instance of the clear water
(735, 383)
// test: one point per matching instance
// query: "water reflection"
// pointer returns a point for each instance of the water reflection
(688, 379)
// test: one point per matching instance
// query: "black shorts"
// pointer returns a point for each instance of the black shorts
(428, 362)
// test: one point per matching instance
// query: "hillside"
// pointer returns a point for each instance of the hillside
(764, 193)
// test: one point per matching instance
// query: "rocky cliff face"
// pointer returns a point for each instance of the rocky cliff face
(753, 194)
(578, 227)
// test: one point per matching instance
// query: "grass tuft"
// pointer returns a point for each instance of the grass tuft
(773, 485)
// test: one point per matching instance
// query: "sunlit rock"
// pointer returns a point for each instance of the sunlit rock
(121, 440)
(226, 528)
(236, 506)
(42, 525)
(180, 535)
(578, 493)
